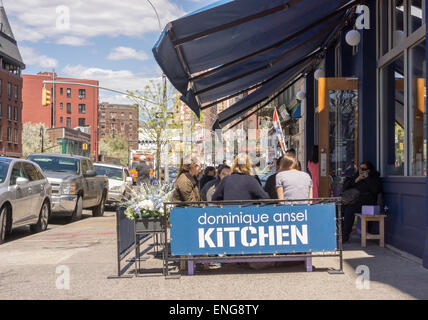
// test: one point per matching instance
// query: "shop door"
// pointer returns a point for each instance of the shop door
(337, 133)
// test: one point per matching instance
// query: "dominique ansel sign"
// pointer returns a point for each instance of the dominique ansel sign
(253, 229)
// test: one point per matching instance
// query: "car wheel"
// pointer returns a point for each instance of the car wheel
(42, 224)
(3, 222)
(77, 213)
(99, 210)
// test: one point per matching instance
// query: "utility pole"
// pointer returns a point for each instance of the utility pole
(42, 136)
(53, 99)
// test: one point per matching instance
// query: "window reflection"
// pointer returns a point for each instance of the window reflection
(416, 14)
(417, 65)
(398, 22)
(394, 126)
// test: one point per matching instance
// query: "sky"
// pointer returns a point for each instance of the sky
(106, 40)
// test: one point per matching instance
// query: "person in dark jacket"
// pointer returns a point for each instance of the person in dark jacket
(367, 182)
(209, 175)
(241, 184)
(210, 187)
(143, 173)
(270, 186)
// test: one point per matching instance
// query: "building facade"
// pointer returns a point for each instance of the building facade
(11, 65)
(370, 105)
(71, 141)
(119, 119)
(73, 105)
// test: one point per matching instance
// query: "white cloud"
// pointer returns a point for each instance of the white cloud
(125, 53)
(120, 80)
(32, 58)
(73, 41)
(88, 18)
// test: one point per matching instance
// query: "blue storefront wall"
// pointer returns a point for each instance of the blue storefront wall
(405, 197)
(406, 226)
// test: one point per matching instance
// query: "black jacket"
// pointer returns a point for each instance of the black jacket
(270, 187)
(204, 180)
(369, 188)
(239, 187)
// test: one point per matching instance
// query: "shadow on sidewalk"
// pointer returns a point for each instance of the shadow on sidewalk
(387, 267)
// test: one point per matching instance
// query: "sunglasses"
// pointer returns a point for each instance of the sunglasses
(364, 169)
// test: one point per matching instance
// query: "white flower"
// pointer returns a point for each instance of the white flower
(147, 205)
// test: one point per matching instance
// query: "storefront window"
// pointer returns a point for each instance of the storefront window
(398, 22)
(416, 14)
(417, 118)
(393, 118)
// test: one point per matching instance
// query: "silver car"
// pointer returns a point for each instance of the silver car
(25, 196)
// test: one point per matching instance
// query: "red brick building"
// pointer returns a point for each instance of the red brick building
(11, 65)
(119, 119)
(75, 105)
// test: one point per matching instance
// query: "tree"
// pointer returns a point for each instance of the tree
(155, 116)
(32, 134)
(115, 147)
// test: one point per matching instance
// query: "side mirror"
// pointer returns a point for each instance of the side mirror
(21, 181)
(90, 174)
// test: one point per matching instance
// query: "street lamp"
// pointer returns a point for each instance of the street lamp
(164, 92)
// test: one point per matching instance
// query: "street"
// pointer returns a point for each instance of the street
(74, 260)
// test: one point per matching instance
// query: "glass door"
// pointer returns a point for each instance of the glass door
(337, 133)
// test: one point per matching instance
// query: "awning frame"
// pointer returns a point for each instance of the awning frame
(299, 75)
(277, 44)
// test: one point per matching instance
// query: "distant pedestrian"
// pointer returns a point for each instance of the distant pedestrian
(291, 183)
(143, 173)
(241, 184)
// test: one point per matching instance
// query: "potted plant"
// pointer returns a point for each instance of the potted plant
(146, 207)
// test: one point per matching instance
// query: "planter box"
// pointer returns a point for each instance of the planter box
(149, 225)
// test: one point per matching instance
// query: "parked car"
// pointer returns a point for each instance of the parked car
(25, 196)
(119, 181)
(75, 184)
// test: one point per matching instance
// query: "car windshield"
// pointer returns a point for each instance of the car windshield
(134, 165)
(56, 164)
(4, 167)
(111, 173)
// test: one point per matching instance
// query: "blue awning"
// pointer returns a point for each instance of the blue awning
(231, 46)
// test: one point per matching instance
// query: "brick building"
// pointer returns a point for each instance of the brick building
(119, 119)
(75, 105)
(70, 141)
(11, 64)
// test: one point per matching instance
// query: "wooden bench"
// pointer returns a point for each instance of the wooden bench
(365, 236)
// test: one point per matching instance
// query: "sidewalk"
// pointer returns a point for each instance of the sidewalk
(28, 270)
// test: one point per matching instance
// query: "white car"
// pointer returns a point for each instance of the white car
(119, 180)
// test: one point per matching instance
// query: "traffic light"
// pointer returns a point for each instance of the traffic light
(46, 97)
